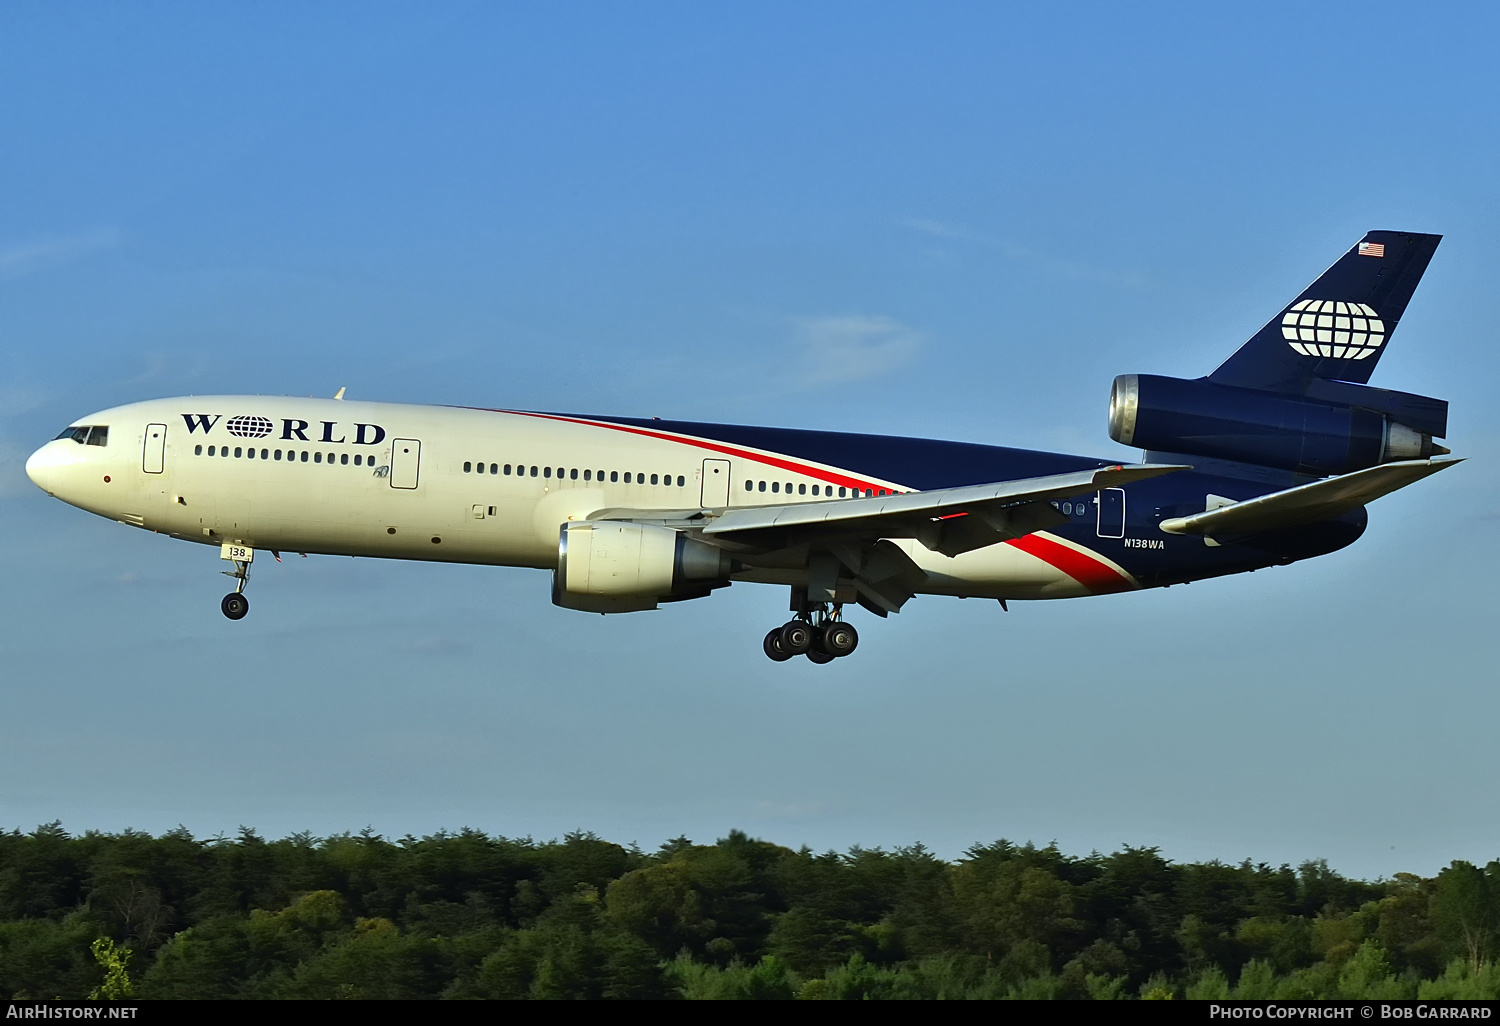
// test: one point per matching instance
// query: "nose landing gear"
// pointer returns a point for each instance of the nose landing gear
(818, 632)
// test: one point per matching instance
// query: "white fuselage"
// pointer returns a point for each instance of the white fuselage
(453, 484)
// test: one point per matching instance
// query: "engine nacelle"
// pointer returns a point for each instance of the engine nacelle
(1269, 429)
(610, 566)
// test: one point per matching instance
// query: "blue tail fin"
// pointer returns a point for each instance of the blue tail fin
(1338, 327)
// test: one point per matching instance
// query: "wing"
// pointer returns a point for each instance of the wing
(1306, 504)
(841, 543)
(946, 520)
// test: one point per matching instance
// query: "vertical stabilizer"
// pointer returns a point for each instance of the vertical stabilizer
(1340, 324)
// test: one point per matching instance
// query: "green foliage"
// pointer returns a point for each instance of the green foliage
(1462, 982)
(1208, 984)
(466, 915)
(115, 962)
(1466, 912)
(48, 958)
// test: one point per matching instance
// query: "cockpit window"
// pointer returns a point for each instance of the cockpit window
(86, 435)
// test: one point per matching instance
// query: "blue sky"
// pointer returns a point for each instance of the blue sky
(956, 222)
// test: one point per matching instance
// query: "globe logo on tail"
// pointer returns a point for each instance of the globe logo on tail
(1324, 327)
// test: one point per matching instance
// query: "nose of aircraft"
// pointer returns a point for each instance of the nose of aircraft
(42, 468)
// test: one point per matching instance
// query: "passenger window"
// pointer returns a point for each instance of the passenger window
(344, 460)
(317, 457)
(588, 475)
(653, 478)
(749, 486)
(573, 474)
(265, 454)
(494, 469)
(599, 474)
(250, 453)
(357, 460)
(278, 454)
(841, 491)
(761, 486)
(197, 450)
(506, 468)
(614, 475)
(775, 486)
(681, 481)
(303, 457)
(533, 472)
(211, 451)
(627, 477)
(802, 489)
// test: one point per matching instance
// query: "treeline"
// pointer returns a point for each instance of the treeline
(471, 916)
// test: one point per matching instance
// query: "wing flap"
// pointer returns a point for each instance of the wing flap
(1309, 503)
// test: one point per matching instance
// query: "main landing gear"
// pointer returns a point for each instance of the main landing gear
(235, 605)
(819, 633)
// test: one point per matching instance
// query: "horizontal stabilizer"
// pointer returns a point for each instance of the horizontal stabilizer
(1306, 504)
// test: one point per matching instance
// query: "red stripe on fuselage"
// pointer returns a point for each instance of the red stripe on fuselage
(829, 476)
(1095, 575)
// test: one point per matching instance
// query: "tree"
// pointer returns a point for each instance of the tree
(1466, 911)
(114, 960)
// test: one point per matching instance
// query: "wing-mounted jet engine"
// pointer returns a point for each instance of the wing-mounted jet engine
(616, 566)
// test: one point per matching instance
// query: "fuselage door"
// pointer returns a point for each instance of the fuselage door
(715, 484)
(154, 455)
(406, 461)
(1111, 512)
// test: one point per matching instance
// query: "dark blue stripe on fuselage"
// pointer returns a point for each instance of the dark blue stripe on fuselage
(920, 463)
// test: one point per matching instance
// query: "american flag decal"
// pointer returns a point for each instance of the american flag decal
(1374, 249)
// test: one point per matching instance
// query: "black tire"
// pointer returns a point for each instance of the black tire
(235, 605)
(772, 645)
(818, 656)
(839, 638)
(796, 636)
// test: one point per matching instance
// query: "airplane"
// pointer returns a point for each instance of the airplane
(1269, 459)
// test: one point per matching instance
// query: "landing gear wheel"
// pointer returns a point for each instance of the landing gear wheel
(819, 656)
(796, 637)
(772, 644)
(235, 605)
(839, 639)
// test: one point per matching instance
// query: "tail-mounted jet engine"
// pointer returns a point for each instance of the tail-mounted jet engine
(1353, 428)
(608, 566)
